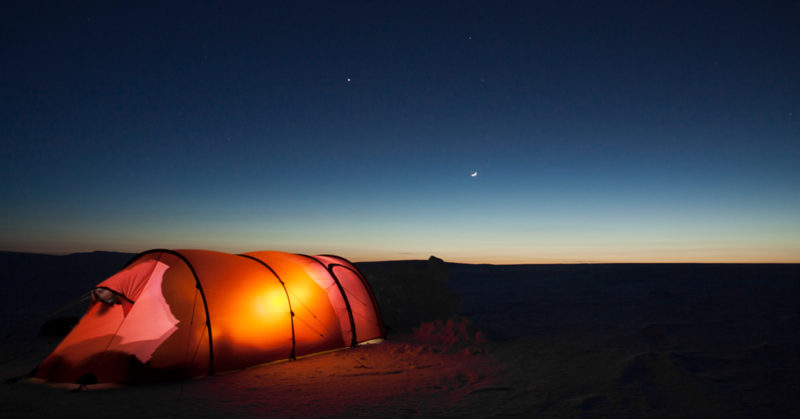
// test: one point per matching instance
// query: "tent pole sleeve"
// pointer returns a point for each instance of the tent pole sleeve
(354, 339)
(288, 300)
(199, 286)
(351, 266)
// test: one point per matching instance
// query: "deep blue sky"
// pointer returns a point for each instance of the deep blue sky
(600, 131)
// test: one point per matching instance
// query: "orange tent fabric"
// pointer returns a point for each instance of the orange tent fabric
(189, 313)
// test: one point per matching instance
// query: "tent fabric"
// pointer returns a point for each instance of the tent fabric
(196, 312)
(129, 283)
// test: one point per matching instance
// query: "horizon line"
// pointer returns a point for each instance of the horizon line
(466, 261)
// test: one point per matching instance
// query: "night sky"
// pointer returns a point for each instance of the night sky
(599, 131)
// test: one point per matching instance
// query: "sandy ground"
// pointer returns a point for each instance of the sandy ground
(541, 341)
(391, 379)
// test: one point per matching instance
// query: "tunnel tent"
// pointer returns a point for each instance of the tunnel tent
(188, 313)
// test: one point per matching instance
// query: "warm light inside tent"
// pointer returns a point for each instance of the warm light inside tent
(265, 303)
(316, 322)
(265, 313)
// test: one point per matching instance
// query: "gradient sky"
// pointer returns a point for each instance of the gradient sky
(600, 131)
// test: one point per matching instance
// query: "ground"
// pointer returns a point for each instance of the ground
(489, 341)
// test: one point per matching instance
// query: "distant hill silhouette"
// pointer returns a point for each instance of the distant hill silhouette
(79, 268)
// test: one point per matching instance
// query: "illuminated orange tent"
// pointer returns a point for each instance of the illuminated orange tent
(189, 313)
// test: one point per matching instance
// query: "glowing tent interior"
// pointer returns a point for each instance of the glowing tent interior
(189, 313)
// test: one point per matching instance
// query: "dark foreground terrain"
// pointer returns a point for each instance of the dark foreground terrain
(468, 340)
